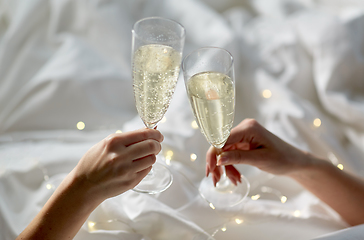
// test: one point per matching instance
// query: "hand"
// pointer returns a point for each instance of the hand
(119, 162)
(250, 143)
(216, 171)
(111, 167)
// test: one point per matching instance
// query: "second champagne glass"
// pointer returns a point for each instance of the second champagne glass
(210, 84)
(157, 45)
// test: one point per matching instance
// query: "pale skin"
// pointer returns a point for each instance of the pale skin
(111, 167)
(250, 143)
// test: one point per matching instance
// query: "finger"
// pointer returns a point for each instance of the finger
(143, 149)
(251, 157)
(141, 174)
(233, 174)
(143, 163)
(211, 159)
(243, 132)
(216, 175)
(129, 138)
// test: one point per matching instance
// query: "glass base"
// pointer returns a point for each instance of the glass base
(225, 194)
(157, 180)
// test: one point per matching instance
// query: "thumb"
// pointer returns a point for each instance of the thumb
(238, 157)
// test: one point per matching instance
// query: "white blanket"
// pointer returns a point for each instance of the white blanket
(299, 71)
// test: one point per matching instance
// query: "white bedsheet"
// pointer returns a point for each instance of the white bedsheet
(298, 63)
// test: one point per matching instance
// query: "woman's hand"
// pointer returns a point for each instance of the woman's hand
(111, 167)
(119, 162)
(250, 143)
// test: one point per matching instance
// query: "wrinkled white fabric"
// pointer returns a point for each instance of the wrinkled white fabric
(65, 61)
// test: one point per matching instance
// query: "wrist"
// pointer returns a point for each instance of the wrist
(308, 168)
(80, 192)
(65, 211)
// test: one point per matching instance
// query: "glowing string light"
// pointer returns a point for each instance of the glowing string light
(194, 124)
(164, 119)
(81, 125)
(255, 197)
(91, 226)
(169, 155)
(297, 213)
(267, 93)
(239, 221)
(317, 122)
(340, 166)
(193, 157)
(118, 131)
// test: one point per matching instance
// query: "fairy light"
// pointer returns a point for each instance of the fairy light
(193, 157)
(283, 199)
(255, 197)
(340, 166)
(194, 124)
(317, 122)
(49, 186)
(164, 119)
(267, 93)
(168, 157)
(81, 125)
(297, 213)
(223, 229)
(91, 226)
(118, 131)
(169, 154)
(239, 221)
(212, 206)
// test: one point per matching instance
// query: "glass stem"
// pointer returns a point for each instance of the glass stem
(224, 181)
(223, 175)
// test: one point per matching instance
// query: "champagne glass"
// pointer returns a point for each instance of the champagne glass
(210, 84)
(157, 45)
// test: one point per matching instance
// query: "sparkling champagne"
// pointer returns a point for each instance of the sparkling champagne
(212, 97)
(155, 74)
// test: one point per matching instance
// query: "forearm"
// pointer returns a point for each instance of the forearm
(340, 190)
(63, 214)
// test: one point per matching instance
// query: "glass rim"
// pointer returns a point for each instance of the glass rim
(210, 47)
(160, 18)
